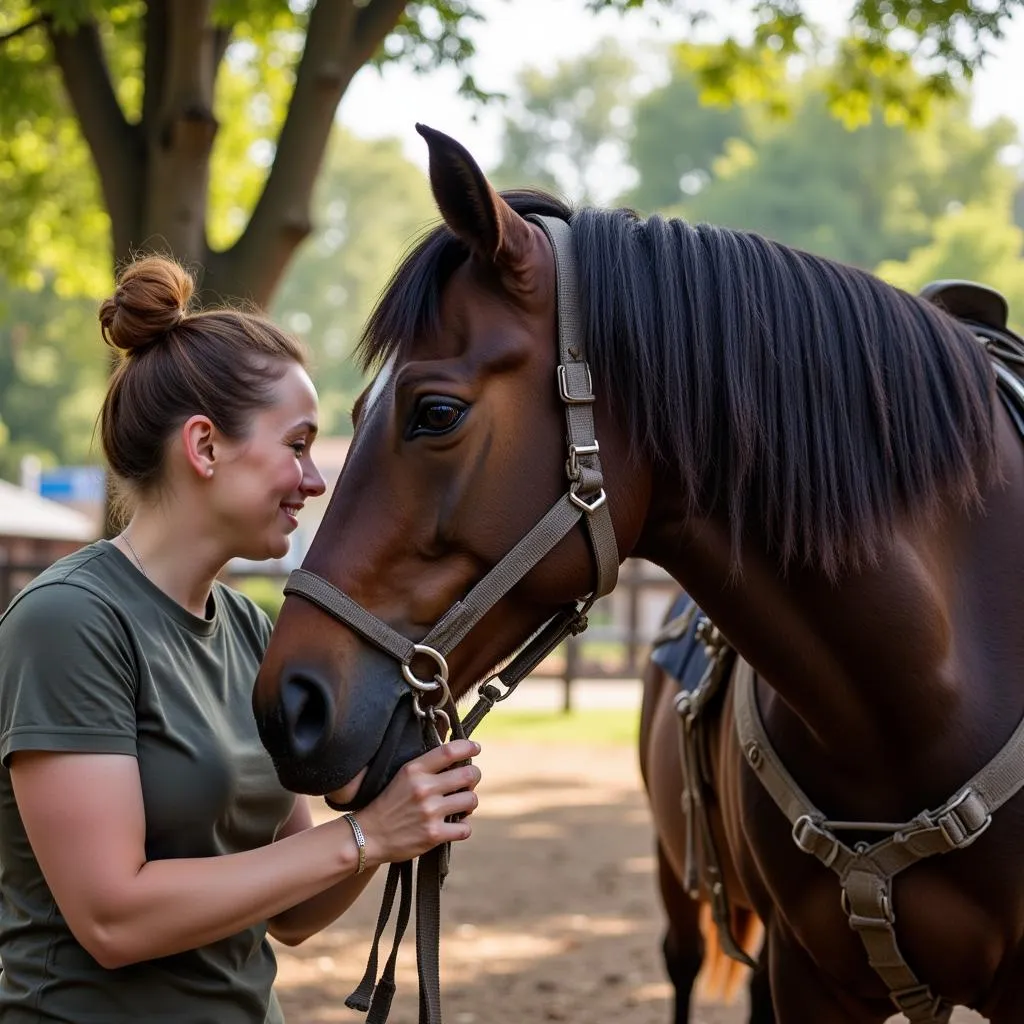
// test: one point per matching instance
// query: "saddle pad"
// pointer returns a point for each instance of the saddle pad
(682, 656)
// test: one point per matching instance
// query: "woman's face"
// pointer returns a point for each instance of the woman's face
(261, 481)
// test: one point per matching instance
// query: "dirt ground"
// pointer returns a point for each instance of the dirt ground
(550, 913)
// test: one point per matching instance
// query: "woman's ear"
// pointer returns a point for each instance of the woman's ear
(197, 438)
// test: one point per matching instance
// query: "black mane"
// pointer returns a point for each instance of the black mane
(803, 398)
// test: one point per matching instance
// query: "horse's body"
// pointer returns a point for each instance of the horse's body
(819, 460)
(691, 946)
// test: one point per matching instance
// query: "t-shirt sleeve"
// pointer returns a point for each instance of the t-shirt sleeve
(67, 675)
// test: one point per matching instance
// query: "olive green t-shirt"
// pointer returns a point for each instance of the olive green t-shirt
(95, 658)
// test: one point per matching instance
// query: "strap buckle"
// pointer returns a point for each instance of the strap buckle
(589, 506)
(811, 838)
(563, 387)
(572, 466)
(914, 1002)
(963, 820)
(858, 922)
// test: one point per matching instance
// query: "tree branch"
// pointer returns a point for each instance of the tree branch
(221, 39)
(155, 67)
(111, 140)
(376, 20)
(21, 29)
(281, 220)
(180, 138)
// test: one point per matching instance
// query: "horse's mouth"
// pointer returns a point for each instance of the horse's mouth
(369, 730)
(329, 772)
(402, 741)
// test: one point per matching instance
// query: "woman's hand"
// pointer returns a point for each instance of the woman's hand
(408, 818)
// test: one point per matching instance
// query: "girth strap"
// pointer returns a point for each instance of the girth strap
(866, 872)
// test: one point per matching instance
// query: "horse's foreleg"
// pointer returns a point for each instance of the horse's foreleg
(761, 1009)
(800, 993)
(683, 945)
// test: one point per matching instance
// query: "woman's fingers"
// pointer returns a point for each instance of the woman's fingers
(462, 802)
(465, 777)
(444, 756)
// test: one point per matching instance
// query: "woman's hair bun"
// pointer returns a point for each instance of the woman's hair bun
(151, 297)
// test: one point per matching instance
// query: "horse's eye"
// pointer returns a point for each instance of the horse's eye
(436, 416)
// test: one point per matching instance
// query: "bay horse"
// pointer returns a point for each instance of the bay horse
(822, 461)
(695, 961)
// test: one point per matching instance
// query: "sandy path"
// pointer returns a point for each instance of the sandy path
(550, 913)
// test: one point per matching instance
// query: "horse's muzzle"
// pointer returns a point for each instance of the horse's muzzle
(320, 740)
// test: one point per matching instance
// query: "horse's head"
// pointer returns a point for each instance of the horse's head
(460, 450)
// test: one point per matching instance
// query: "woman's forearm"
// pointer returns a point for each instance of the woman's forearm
(298, 923)
(148, 918)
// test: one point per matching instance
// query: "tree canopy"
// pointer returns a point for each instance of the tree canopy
(204, 127)
(200, 126)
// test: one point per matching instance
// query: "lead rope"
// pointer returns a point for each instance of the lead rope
(374, 998)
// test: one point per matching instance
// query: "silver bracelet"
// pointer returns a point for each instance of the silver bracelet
(357, 831)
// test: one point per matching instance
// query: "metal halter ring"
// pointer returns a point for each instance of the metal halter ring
(434, 712)
(440, 676)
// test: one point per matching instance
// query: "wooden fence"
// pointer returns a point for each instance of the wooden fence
(615, 647)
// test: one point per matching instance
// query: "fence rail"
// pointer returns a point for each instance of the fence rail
(615, 647)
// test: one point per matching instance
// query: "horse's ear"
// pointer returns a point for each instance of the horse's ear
(491, 229)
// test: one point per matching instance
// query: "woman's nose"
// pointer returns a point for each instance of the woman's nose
(314, 483)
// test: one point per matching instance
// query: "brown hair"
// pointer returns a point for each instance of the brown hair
(220, 363)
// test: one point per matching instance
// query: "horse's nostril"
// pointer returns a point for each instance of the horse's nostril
(306, 703)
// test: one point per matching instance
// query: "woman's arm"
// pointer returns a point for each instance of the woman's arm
(386, 821)
(85, 819)
(298, 923)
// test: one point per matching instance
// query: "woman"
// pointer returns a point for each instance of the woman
(146, 847)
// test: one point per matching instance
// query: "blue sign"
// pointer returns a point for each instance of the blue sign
(72, 484)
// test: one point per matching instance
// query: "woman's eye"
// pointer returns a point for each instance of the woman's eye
(299, 447)
(436, 417)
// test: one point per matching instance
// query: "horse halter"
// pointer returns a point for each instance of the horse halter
(584, 499)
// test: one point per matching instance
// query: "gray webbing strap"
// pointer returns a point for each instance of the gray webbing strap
(340, 606)
(866, 875)
(575, 386)
(465, 614)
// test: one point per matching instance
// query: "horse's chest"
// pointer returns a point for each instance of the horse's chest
(957, 917)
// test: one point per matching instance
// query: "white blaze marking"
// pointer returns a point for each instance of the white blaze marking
(379, 384)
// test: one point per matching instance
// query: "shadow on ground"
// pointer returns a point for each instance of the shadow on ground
(550, 913)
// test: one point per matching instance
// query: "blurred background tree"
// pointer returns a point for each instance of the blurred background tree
(204, 126)
(370, 203)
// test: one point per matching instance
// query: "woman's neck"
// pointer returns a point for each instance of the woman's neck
(175, 553)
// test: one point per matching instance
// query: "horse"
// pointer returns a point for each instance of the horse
(830, 466)
(694, 959)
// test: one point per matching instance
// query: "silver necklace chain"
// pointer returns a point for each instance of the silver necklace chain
(138, 561)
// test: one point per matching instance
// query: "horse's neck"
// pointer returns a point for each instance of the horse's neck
(880, 659)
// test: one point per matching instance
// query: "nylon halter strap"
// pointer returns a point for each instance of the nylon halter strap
(584, 499)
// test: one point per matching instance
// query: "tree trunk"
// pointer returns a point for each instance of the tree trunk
(155, 174)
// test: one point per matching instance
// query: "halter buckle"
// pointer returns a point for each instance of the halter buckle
(588, 506)
(563, 387)
(572, 466)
